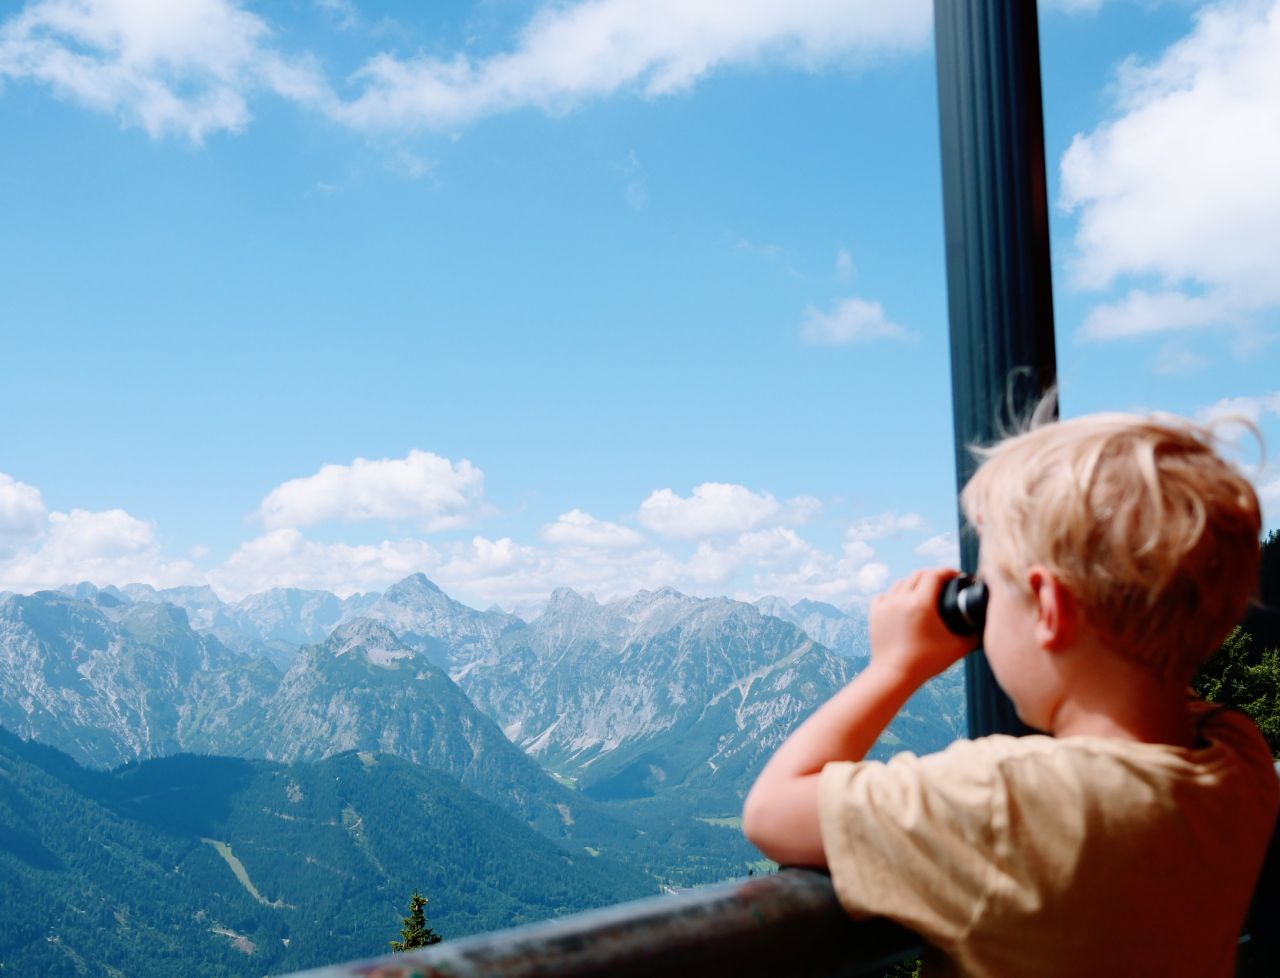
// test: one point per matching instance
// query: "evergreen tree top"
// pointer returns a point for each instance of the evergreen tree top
(415, 932)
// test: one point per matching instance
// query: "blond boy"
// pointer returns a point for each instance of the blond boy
(1118, 552)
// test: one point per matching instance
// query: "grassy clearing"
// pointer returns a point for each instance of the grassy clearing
(722, 821)
(224, 850)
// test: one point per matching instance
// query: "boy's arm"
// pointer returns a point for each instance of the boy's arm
(909, 645)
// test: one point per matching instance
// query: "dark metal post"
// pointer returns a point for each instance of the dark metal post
(997, 234)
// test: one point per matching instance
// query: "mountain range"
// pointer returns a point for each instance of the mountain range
(589, 722)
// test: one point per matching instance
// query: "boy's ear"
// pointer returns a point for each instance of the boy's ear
(1057, 617)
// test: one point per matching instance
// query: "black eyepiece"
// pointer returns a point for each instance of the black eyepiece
(963, 605)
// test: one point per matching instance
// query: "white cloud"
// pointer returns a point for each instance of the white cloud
(714, 508)
(192, 67)
(717, 508)
(1224, 416)
(516, 575)
(849, 321)
(422, 487)
(845, 269)
(284, 558)
(858, 551)
(498, 567)
(22, 513)
(715, 565)
(109, 547)
(1179, 187)
(578, 529)
(871, 578)
(780, 562)
(884, 525)
(345, 14)
(568, 54)
(170, 67)
(1251, 408)
(1269, 491)
(1141, 312)
(943, 548)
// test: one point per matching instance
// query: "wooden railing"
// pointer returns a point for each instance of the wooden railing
(785, 924)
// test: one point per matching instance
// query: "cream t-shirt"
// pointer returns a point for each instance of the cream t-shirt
(1035, 857)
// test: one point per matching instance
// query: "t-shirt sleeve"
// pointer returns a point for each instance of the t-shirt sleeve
(911, 839)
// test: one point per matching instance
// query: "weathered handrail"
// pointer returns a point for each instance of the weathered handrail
(788, 923)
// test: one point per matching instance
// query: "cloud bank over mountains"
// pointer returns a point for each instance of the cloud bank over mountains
(721, 538)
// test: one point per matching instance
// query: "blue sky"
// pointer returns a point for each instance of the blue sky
(606, 294)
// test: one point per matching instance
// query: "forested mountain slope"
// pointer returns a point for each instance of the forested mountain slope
(207, 866)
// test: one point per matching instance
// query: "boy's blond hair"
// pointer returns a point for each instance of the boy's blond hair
(1150, 529)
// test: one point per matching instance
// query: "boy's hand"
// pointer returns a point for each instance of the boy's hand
(907, 633)
(909, 643)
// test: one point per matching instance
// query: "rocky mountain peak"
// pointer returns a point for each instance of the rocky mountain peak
(413, 586)
(665, 593)
(807, 607)
(367, 638)
(567, 599)
(773, 605)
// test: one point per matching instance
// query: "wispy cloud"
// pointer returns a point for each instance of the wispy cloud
(192, 68)
(885, 525)
(568, 55)
(850, 321)
(1251, 408)
(637, 185)
(1175, 359)
(943, 548)
(845, 269)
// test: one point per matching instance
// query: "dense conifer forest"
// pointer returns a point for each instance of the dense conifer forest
(211, 867)
(1245, 673)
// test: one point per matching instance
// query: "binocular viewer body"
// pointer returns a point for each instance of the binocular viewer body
(963, 605)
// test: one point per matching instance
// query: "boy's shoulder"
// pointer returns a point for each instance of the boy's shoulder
(1230, 752)
(1006, 800)
(1000, 834)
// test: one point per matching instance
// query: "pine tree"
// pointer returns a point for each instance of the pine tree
(415, 932)
(1239, 677)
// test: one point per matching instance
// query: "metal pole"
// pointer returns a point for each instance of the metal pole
(997, 238)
